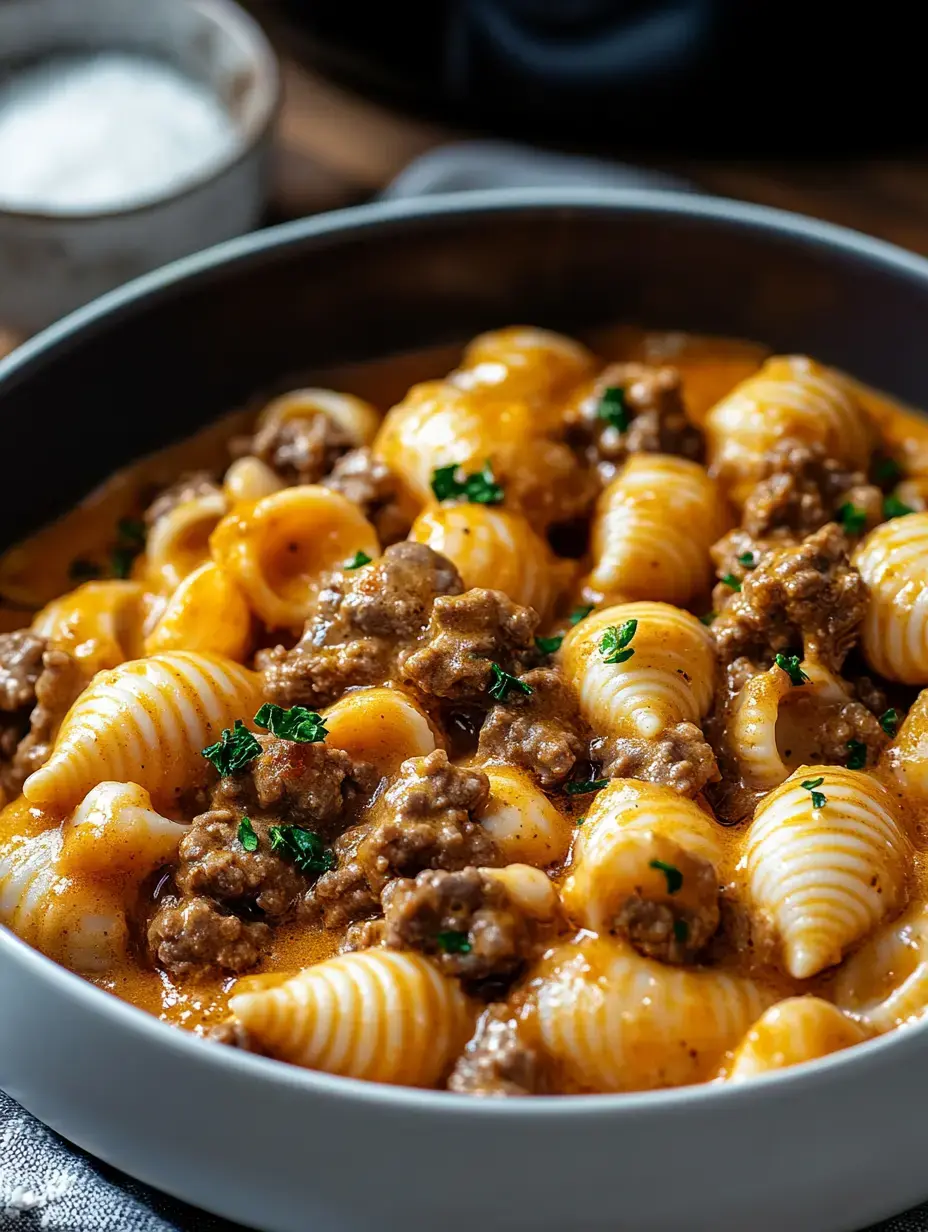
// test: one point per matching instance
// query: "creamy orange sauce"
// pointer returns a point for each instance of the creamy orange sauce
(36, 571)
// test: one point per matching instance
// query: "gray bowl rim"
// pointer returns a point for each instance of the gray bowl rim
(229, 13)
(903, 1045)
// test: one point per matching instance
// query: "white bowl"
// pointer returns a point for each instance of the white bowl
(826, 1147)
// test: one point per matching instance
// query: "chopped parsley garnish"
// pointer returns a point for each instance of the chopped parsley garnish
(893, 507)
(129, 544)
(303, 848)
(548, 645)
(818, 797)
(614, 645)
(579, 613)
(681, 931)
(583, 787)
(298, 724)
(502, 683)
(246, 834)
(235, 748)
(579, 821)
(889, 721)
(81, 570)
(747, 559)
(613, 409)
(729, 580)
(480, 488)
(453, 943)
(707, 618)
(852, 517)
(791, 665)
(357, 561)
(856, 755)
(887, 470)
(671, 872)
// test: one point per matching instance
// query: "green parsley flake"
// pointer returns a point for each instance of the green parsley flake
(818, 797)
(889, 721)
(235, 748)
(502, 683)
(614, 645)
(453, 943)
(613, 409)
(81, 570)
(729, 580)
(707, 618)
(356, 562)
(297, 724)
(791, 665)
(121, 560)
(579, 613)
(579, 821)
(856, 755)
(887, 470)
(303, 848)
(548, 645)
(671, 872)
(852, 518)
(584, 786)
(131, 531)
(681, 931)
(130, 542)
(747, 559)
(246, 835)
(893, 507)
(479, 488)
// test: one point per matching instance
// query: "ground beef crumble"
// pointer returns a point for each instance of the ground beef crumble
(188, 487)
(192, 936)
(466, 635)
(426, 819)
(362, 619)
(372, 486)
(470, 905)
(680, 758)
(497, 1061)
(806, 599)
(674, 928)
(302, 448)
(540, 732)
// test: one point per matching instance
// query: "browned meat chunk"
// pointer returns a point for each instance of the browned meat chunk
(467, 634)
(187, 487)
(497, 1061)
(675, 928)
(539, 731)
(372, 486)
(680, 758)
(194, 937)
(465, 919)
(806, 598)
(20, 666)
(296, 784)
(362, 618)
(212, 863)
(425, 820)
(803, 489)
(303, 448)
(26, 737)
(652, 399)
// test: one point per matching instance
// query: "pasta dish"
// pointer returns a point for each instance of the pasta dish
(551, 726)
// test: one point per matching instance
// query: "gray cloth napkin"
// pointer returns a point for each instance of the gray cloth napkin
(45, 1182)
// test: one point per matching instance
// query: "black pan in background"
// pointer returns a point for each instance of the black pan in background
(153, 361)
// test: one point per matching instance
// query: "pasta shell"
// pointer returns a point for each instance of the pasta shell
(495, 549)
(614, 1021)
(885, 984)
(145, 722)
(531, 889)
(355, 419)
(375, 1014)
(523, 362)
(278, 549)
(906, 759)
(791, 1032)
(115, 832)
(669, 679)
(652, 530)
(824, 877)
(247, 480)
(99, 623)
(382, 726)
(894, 634)
(632, 831)
(178, 542)
(522, 821)
(208, 613)
(790, 396)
